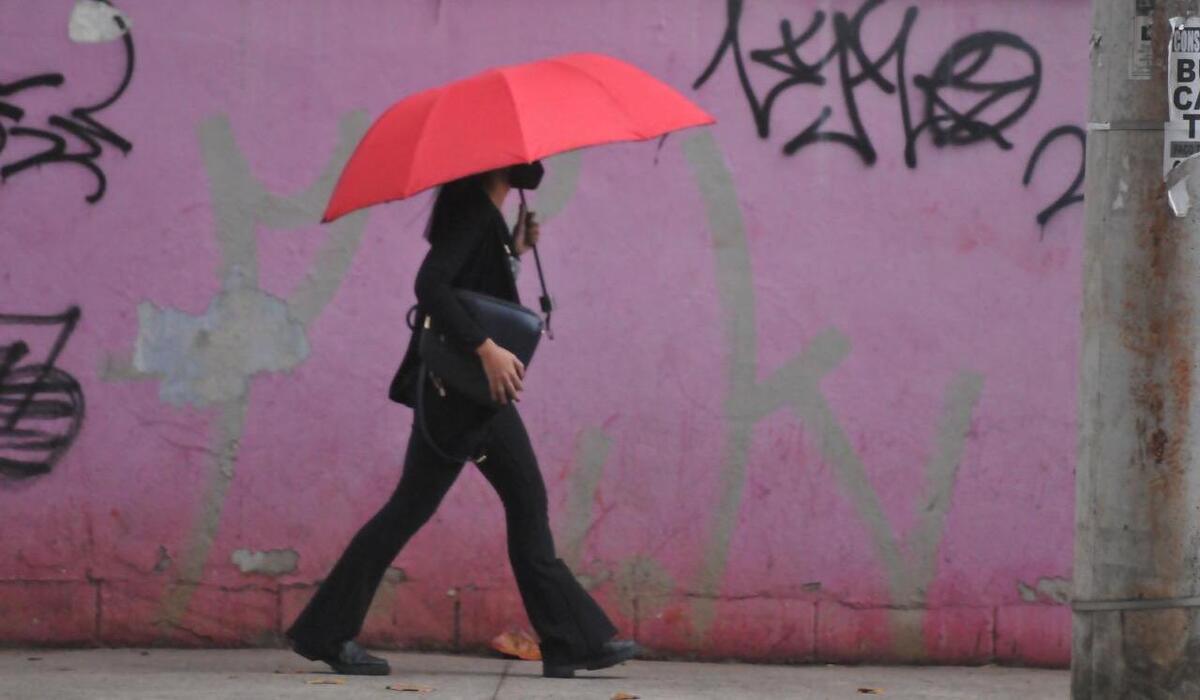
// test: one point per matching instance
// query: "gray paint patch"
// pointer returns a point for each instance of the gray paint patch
(557, 190)
(940, 475)
(641, 580)
(796, 385)
(230, 423)
(211, 358)
(591, 454)
(272, 562)
(562, 180)
(736, 292)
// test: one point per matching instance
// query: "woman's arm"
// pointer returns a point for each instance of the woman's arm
(450, 247)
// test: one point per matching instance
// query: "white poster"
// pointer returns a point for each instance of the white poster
(1183, 92)
(1141, 57)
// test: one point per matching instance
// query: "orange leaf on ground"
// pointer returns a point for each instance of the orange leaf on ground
(518, 644)
(327, 681)
(624, 696)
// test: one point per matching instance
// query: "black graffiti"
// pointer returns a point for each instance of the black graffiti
(958, 103)
(1072, 195)
(958, 70)
(80, 123)
(41, 406)
(854, 67)
(956, 76)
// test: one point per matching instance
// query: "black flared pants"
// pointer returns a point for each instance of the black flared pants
(567, 620)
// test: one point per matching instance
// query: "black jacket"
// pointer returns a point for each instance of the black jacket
(469, 249)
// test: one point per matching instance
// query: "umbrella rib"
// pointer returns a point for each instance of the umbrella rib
(516, 117)
(608, 93)
(408, 183)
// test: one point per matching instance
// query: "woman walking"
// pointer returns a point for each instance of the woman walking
(470, 248)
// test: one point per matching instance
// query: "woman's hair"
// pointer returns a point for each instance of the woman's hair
(453, 198)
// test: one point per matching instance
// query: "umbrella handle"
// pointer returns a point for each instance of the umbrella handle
(546, 301)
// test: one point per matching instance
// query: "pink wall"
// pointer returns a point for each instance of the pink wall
(801, 405)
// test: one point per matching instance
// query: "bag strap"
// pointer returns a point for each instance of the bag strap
(423, 425)
(546, 301)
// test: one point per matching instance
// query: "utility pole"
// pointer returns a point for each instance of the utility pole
(1136, 581)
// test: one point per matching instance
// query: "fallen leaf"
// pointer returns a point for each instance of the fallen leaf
(624, 696)
(870, 691)
(410, 688)
(326, 681)
(518, 644)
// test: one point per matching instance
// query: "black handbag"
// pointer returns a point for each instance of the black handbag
(446, 364)
(512, 326)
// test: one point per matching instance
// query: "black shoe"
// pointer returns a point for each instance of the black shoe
(350, 659)
(613, 652)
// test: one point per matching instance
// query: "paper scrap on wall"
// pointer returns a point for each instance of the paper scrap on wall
(1141, 53)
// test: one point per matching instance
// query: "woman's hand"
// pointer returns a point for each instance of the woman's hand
(504, 371)
(528, 231)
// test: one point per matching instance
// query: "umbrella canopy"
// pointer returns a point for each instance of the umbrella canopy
(504, 116)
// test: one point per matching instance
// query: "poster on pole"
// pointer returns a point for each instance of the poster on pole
(1141, 55)
(1183, 92)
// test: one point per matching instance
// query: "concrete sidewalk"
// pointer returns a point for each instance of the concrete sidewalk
(168, 673)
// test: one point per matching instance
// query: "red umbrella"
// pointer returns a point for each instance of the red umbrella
(504, 116)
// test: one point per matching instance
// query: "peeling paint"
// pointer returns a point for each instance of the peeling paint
(271, 562)
(1123, 191)
(210, 359)
(93, 22)
(1053, 590)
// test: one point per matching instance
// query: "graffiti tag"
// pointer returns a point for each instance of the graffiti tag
(41, 406)
(980, 86)
(79, 123)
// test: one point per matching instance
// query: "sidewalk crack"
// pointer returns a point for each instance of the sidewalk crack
(503, 675)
